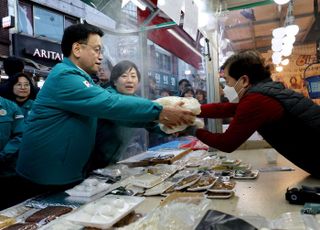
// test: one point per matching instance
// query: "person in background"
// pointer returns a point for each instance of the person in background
(223, 99)
(21, 92)
(287, 120)
(104, 74)
(165, 93)
(11, 66)
(187, 92)
(152, 88)
(60, 133)
(201, 96)
(182, 84)
(11, 129)
(294, 83)
(113, 137)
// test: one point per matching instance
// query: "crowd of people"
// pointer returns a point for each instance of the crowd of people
(51, 139)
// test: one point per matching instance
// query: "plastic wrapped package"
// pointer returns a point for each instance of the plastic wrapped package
(61, 223)
(189, 103)
(178, 214)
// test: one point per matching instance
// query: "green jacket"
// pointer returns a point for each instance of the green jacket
(26, 108)
(11, 128)
(113, 137)
(60, 133)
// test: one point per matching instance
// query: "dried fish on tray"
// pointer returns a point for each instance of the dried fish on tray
(205, 182)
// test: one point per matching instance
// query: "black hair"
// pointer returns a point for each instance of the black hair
(13, 80)
(165, 90)
(13, 65)
(186, 90)
(184, 80)
(121, 68)
(248, 63)
(77, 33)
(200, 91)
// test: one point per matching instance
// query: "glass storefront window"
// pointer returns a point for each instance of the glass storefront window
(25, 18)
(48, 24)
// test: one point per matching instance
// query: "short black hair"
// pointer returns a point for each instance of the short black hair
(249, 63)
(77, 33)
(120, 69)
(184, 80)
(13, 65)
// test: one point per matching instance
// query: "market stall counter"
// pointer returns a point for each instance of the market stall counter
(257, 197)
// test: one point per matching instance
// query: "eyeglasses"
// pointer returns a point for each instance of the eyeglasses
(22, 85)
(98, 50)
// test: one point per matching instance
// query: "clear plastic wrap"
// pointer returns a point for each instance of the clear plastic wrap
(178, 214)
(295, 220)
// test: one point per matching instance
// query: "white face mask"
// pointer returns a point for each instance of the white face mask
(231, 94)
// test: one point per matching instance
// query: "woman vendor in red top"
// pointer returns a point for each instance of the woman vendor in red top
(287, 120)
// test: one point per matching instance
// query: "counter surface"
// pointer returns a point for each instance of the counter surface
(264, 196)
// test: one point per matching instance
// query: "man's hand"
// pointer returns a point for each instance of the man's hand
(174, 116)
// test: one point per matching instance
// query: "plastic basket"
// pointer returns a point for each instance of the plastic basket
(313, 85)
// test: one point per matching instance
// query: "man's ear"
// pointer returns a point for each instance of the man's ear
(246, 81)
(76, 49)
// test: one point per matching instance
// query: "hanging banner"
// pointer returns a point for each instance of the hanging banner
(190, 21)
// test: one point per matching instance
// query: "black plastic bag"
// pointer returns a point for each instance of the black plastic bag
(215, 220)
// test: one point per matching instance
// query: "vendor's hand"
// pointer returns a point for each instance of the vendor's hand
(174, 116)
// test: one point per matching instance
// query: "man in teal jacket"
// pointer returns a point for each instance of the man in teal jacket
(11, 128)
(60, 133)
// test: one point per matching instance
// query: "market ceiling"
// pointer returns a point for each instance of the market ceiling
(247, 24)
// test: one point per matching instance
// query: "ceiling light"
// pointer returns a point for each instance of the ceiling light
(292, 30)
(276, 44)
(276, 58)
(287, 51)
(279, 32)
(281, 2)
(279, 68)
(285, 61)
(289, 39)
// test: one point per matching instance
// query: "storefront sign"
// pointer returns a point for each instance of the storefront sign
(46, 54)
(164, 81)
(8, 22)
(39, 50)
